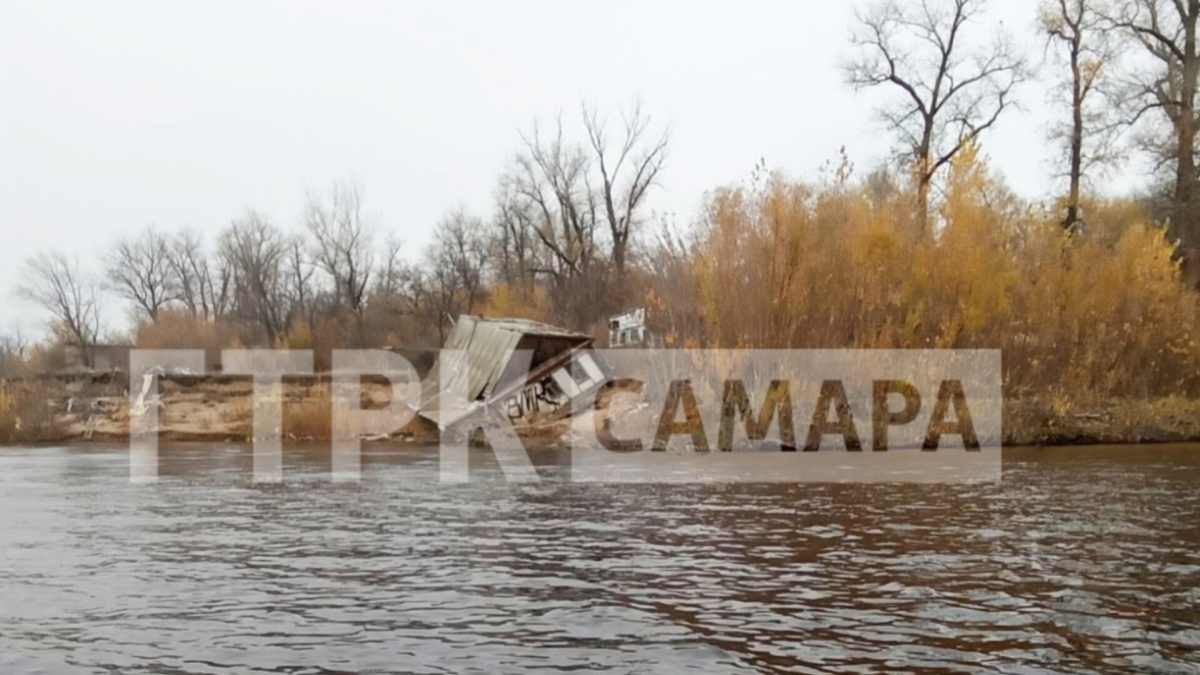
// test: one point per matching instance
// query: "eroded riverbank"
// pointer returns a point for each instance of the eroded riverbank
(220, 409)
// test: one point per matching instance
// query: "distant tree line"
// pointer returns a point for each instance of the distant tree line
(559, 244)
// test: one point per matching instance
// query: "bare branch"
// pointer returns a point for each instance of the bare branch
(58, 286)
(140, 270)
(948, 95)
(343, 242)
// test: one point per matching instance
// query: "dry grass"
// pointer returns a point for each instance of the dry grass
(307, 412)
(1042, 422)
(28, 413)
(785, 265)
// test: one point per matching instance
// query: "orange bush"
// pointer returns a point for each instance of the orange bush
(785, 264)
(180, 330)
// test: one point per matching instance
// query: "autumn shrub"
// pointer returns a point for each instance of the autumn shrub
(299, 336)
(27, 413)
(307, 414)
(176, 329)
(308, 409)
(507, 301)
(787, 264)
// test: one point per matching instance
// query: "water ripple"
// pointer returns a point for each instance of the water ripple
(1081, 561)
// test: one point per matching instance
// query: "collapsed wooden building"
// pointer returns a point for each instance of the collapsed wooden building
(516, 367)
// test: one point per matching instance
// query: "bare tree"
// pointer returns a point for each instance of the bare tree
(139, 270)
(440, 287)
(300, 288)
(426, 294)
(203, 290)
(514, 240)
(253, 251)
(553, 191)
(58, 286)
(948, 92)
(550, 182)
(460, 249)
(13, 344)
(343, 242)
(1075, 27)
(13, 350)
(390, 276)
(1166, 29)
(627, 172)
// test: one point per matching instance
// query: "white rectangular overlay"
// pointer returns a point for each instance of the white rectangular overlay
(671, 416)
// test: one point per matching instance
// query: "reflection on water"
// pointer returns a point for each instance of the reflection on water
(1082, 560)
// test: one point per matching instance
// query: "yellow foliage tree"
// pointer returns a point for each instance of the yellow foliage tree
(787, 264)
(504, 301)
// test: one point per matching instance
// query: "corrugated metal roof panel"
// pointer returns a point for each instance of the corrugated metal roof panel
(475, 356)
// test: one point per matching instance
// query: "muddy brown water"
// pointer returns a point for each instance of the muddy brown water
(1082, 560)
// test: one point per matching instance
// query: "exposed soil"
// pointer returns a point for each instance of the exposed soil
(220, 409)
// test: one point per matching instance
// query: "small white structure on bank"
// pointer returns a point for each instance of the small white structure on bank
(629, 330)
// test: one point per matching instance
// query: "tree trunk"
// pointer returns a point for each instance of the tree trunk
(924, 178)
(85, 351)
(1184, 221)
(1076, 169)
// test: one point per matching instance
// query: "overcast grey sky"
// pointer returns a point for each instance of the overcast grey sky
(118, 114)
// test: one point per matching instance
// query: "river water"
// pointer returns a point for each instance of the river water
(1082, 560)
